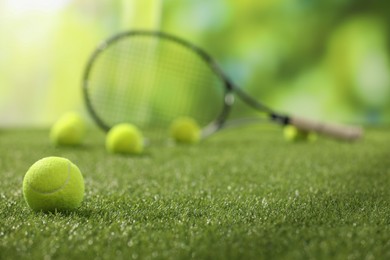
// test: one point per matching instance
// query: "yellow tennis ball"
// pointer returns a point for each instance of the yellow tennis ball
(68, 130)
(185, 130)
(293, 134)
(125, 138)
(53, 183)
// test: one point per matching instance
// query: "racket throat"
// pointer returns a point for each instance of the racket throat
(280, 119)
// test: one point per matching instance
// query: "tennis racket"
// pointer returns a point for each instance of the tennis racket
(150, 78)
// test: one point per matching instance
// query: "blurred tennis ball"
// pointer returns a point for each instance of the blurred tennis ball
(68, 130)
(53, 183)
(124, 138)
(293, 134)
(185, 130)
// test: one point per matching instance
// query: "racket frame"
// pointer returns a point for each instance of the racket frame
(337, 131)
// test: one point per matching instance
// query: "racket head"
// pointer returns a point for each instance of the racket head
(150, 78)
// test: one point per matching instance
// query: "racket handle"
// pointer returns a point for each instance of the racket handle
(344, 132)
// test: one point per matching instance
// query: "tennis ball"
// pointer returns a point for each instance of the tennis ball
(185, 130)
(68, 130)
(53, 183)
(125, 138)
(293, 134)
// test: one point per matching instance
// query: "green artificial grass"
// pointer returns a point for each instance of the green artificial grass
(242, 194)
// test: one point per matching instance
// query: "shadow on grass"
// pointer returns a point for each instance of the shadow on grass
(82, 212)
(145, 154)
(84, 147)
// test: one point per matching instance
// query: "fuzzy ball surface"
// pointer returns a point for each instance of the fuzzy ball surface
(293, 134)
(53, 184)
(69, 130)
(125, 138)
(185, 130)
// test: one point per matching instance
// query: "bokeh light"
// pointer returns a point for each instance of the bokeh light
(322, 59)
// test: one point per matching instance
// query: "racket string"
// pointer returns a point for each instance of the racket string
(150, 81)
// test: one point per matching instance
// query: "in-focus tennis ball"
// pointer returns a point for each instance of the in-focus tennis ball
(68, 130)
(125, 138)
(185, 130)
(53, 183)
(293, 134)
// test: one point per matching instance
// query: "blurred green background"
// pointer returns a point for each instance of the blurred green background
(326, 59)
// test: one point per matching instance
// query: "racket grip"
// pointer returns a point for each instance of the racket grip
(343, 132)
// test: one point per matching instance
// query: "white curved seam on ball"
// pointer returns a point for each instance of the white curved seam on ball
(58, 189)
